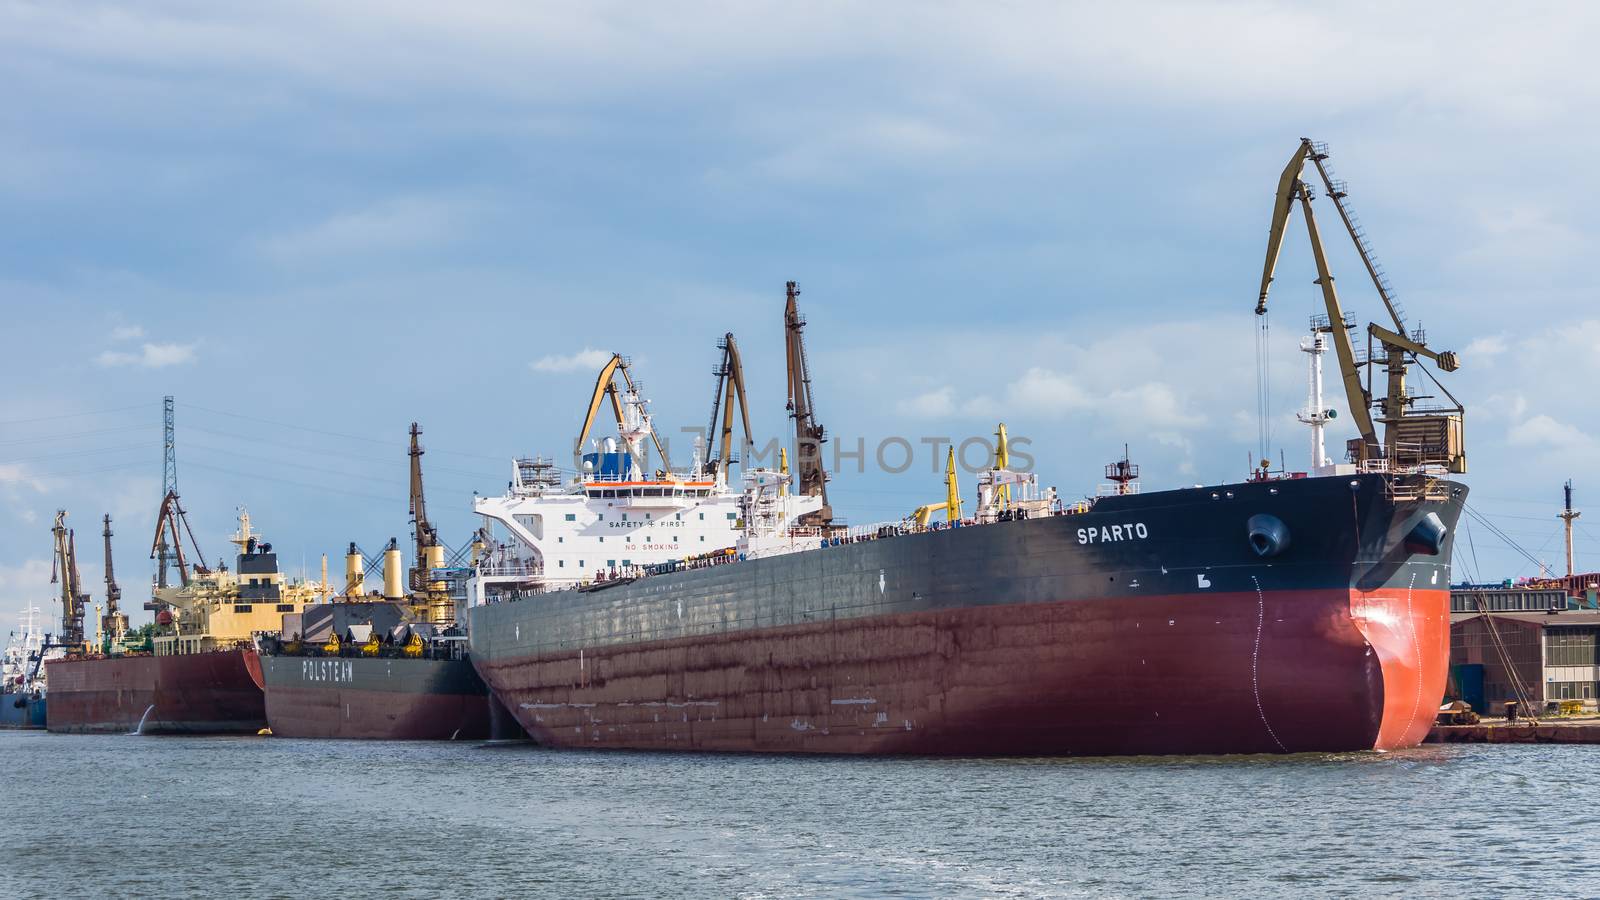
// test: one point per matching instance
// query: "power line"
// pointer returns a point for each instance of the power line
(98, 412)
(323, 470)
(399, 496)
(34, 476)
(351, 437)
(22, 459)
(72, 434)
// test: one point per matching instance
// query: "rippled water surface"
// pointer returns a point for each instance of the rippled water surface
(166, 817)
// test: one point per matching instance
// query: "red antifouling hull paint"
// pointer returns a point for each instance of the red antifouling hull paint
(1270, 672)
(199, 693)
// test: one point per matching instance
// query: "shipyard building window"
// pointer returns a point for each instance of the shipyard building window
(1572, 646)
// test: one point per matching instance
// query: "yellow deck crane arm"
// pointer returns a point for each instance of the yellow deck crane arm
(1292, 188)
(603, 386)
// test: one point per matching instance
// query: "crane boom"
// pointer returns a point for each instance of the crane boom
(809, 434)
(1411, 437)
(729, 388)
(65, 573)
(605, 387)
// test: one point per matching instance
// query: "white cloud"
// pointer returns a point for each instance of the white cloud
(14, 475)
(933, 404)
(127, 333)
(1543, 431)
(150, 356)
(1486, 347)
(26, 584)
(404, 223)
(587, 358)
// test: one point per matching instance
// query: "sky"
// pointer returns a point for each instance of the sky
(313, 224)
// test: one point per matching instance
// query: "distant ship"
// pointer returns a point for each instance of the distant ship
(201, 674)
(648, 608)
(23, 699)
(381, 666)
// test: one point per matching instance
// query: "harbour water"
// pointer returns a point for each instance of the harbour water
(173, 817)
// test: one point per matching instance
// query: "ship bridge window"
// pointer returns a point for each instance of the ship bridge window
(285, 607)
(702, 517)
(242, 607)
(572, 517)
(732, 516)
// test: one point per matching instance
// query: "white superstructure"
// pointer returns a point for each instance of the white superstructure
(21, 669)
(616, 517)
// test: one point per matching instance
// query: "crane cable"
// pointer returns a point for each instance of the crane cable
(1263, 386)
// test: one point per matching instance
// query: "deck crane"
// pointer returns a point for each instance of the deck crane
(1412, 437)
(951, 507)
(429, 550)
(809, 434)
(605, 387)
(730, 387)
(74, 600)
(113, 621)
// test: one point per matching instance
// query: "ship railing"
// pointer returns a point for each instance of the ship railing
(1112, 490)
(511, 570)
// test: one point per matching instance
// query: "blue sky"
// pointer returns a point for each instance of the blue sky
(342, 220)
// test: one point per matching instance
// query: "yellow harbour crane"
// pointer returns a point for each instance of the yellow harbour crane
(1413, 437)
(74, 600)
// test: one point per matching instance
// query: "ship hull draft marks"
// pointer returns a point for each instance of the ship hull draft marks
(1019, 637)
(197, 693)
(375, 699)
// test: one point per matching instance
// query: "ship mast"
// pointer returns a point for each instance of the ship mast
(808, 433)
(1316, 414)
(1568, 515)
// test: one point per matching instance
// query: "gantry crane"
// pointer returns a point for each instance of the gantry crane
(729, 388)
(809, 434)
(113, 621)
(1412, 437)
(74, 600)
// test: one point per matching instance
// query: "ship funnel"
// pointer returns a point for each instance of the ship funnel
(1427, 537)
(393, 583)
(354, 573)
(1268, 535)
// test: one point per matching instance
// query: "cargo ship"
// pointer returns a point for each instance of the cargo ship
(202, 674)
(381, 666)
(23, 697)
(1284, 612)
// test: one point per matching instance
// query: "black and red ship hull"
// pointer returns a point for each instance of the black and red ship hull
(1283, 616)
(364, 698)
(197, 693)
